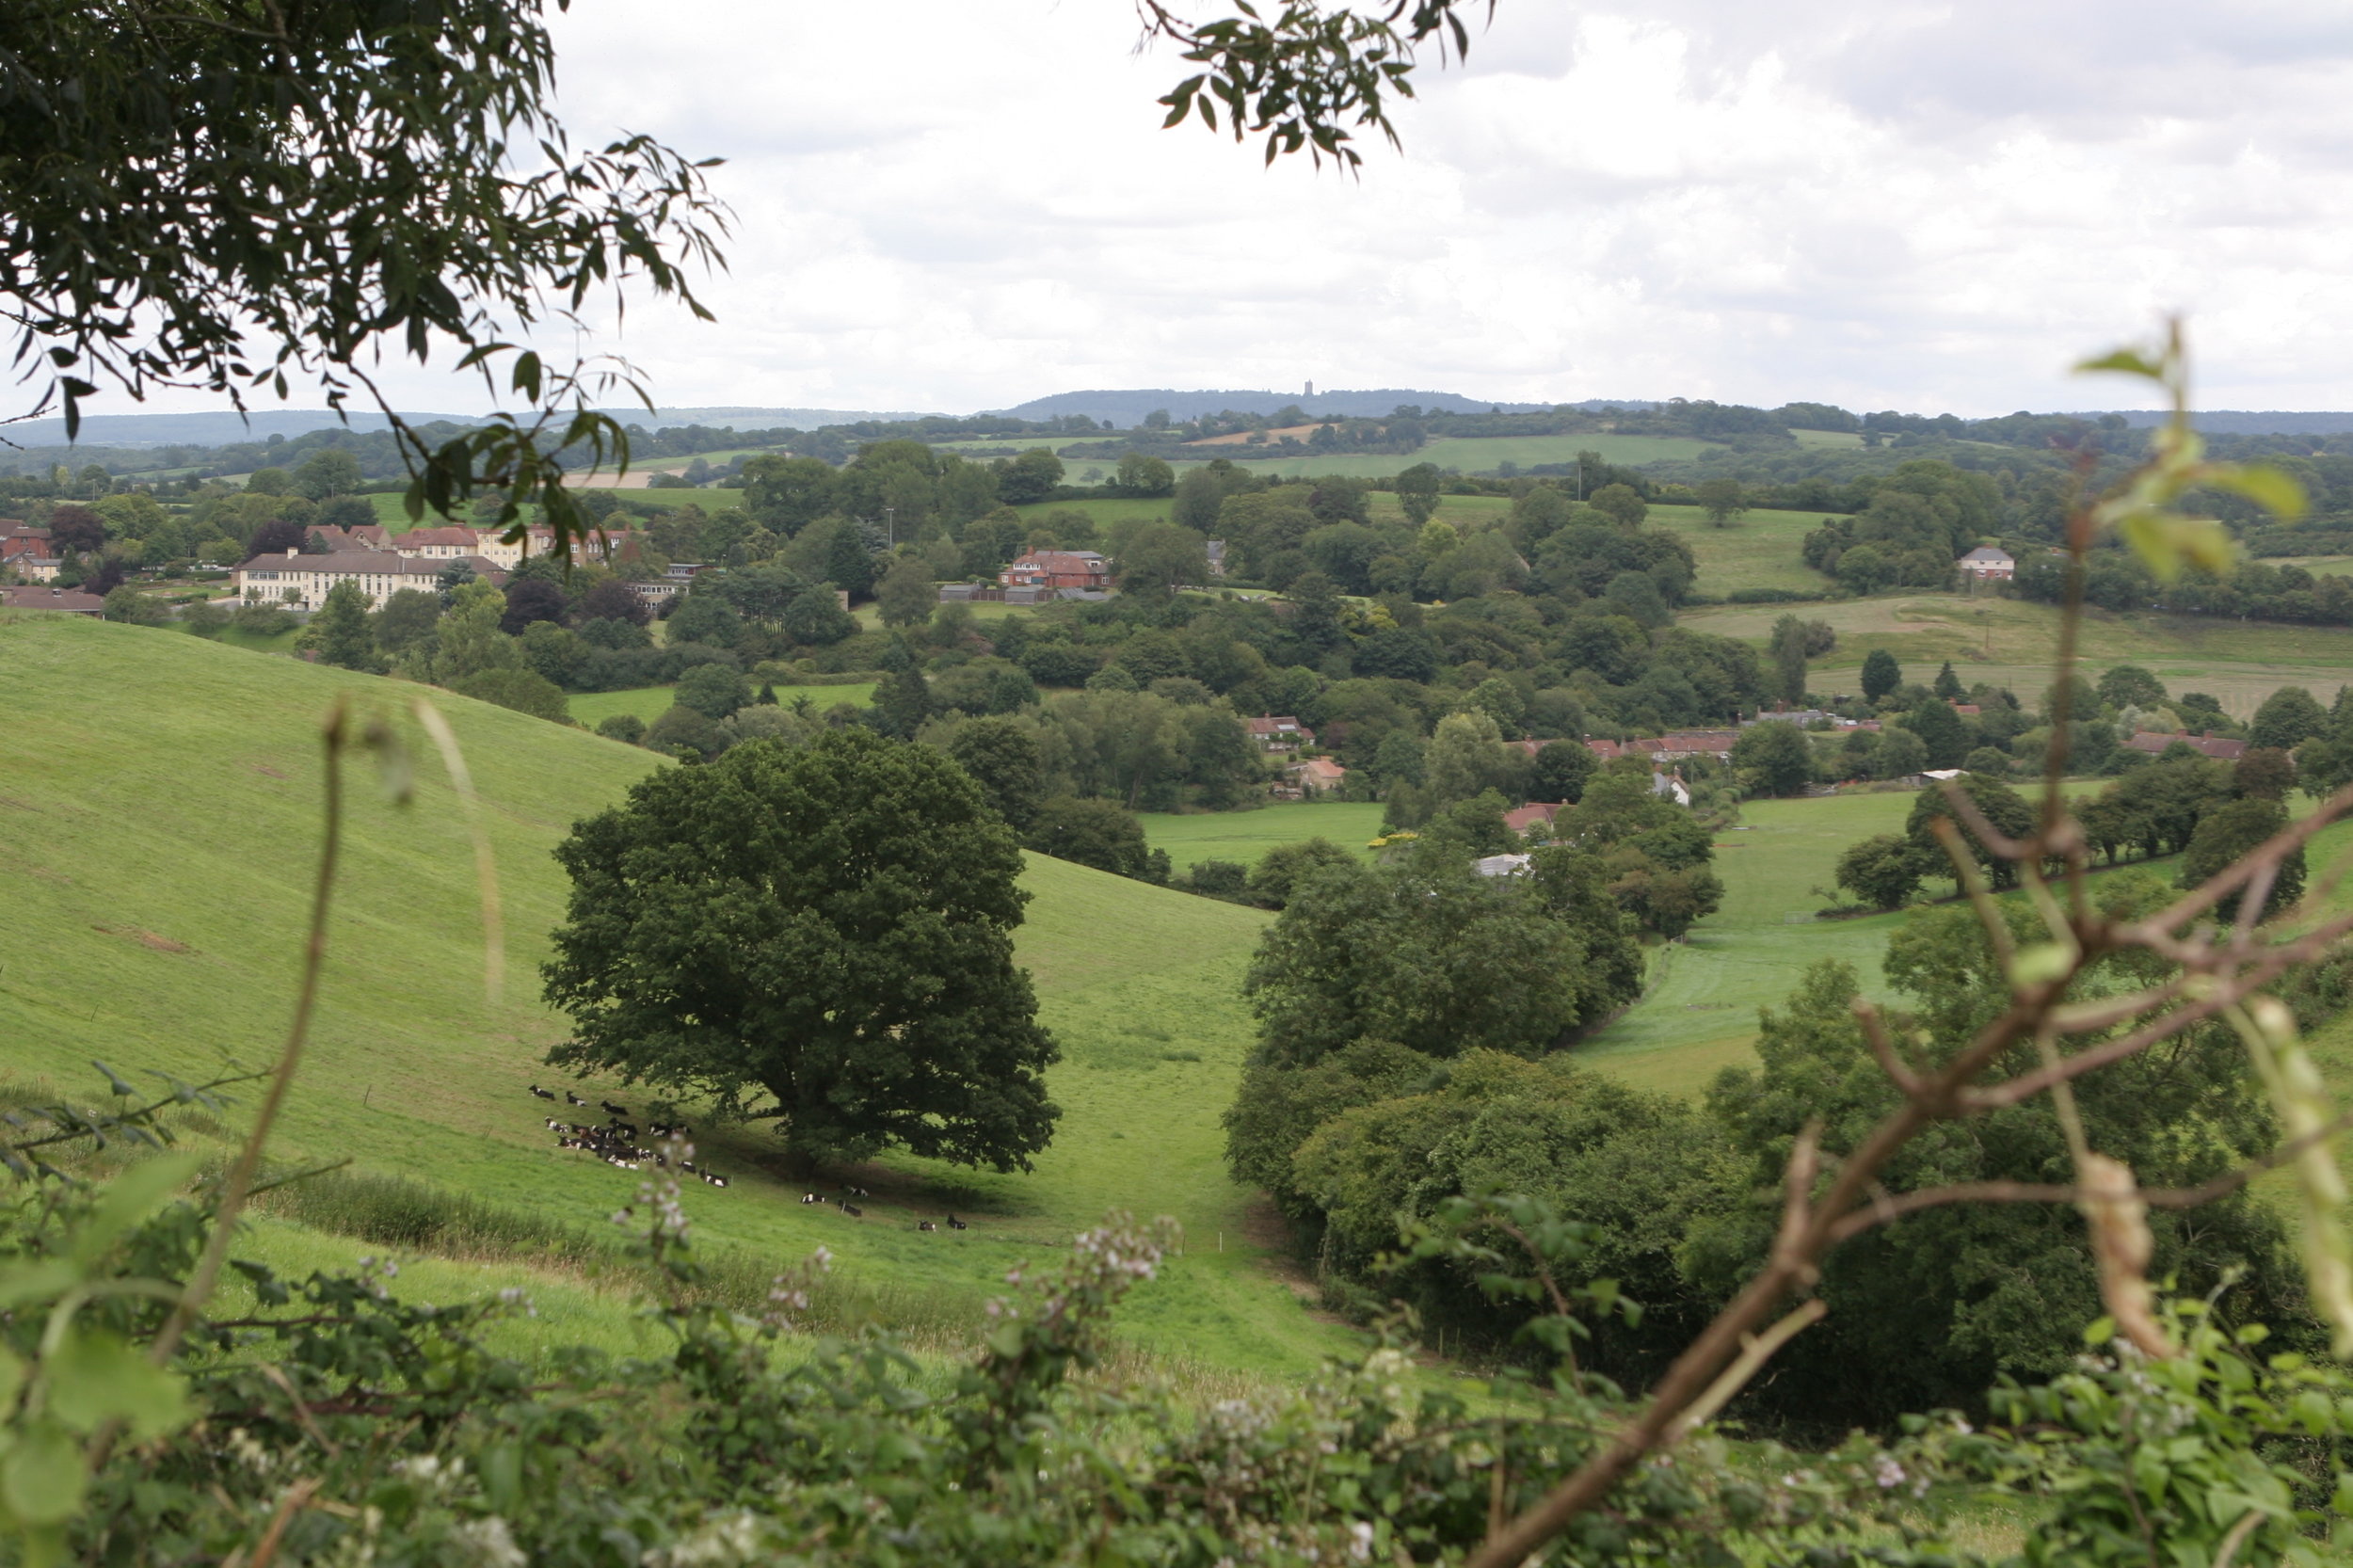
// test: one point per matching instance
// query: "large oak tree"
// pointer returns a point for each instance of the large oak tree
(818, 935)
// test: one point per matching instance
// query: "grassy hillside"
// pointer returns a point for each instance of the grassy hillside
(163, 795)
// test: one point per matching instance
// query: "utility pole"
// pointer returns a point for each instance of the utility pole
(891, 527)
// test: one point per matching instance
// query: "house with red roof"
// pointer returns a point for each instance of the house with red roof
(2154, 743)
(1057, 568)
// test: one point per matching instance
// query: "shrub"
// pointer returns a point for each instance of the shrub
(524, 690)
(626, 727)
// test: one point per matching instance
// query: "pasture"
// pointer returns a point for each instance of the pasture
(1191, 837)
(156, 878)
(1698, 1010)
(649, 703)
(2010, 642)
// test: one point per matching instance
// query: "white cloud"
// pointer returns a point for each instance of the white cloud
(964, 204)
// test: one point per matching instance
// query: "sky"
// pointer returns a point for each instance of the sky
(960, 204)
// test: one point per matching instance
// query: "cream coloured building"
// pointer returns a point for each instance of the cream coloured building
(301, 582)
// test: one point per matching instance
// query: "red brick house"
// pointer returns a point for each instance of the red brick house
(1058, 569)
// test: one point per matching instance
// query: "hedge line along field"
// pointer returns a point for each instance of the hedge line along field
(650, 702)
(163, 794)
(1191, 837)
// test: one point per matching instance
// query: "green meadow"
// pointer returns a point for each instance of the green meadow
(2008, 642)
(164, 796)
(1244, 836)
(650, 702)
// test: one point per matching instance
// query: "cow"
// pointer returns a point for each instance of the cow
(925, 1225)
(853, 1211)
(955, 1224)
(542, 1094)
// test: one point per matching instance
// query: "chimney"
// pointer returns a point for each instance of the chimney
(291, 553)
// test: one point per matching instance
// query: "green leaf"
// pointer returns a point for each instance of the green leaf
(130, 1198)
(96, 1377)
(12, 1372)
(2124, 361)
(35, 1282)
(43, 1475)
(2269, 488)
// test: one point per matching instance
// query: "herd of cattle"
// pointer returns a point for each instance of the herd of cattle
(616, 1145)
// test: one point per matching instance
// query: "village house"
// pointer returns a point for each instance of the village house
(536, 541)
(1534, 814)
(1318, 776)
(2154, 743)
(70, 602)
(27, 551)
(1988, 564)
(1057, 568)
(302, 582)
(1279, 732)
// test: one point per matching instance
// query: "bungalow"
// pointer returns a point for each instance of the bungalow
(70, 602)
(1057, 568)
(1986, 563)
(301, 582)
(1279, 732)
(2156, 742)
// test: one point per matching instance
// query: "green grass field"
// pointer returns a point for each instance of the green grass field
(1244, 836)
(650, 702)
(2010, 642)
(163, 796)
(1759, 549)
(1698, 1012)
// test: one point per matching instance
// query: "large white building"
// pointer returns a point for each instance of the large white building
(301, 582)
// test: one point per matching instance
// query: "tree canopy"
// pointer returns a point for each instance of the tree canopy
(191, 202)
(822, 936)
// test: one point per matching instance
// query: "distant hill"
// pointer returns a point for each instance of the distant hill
(2243, 422)
(1128, 408)
(219, 428)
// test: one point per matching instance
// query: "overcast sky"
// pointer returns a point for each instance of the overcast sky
(958, 204)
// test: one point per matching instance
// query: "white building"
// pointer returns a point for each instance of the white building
(301, 582)
(1988, 563)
